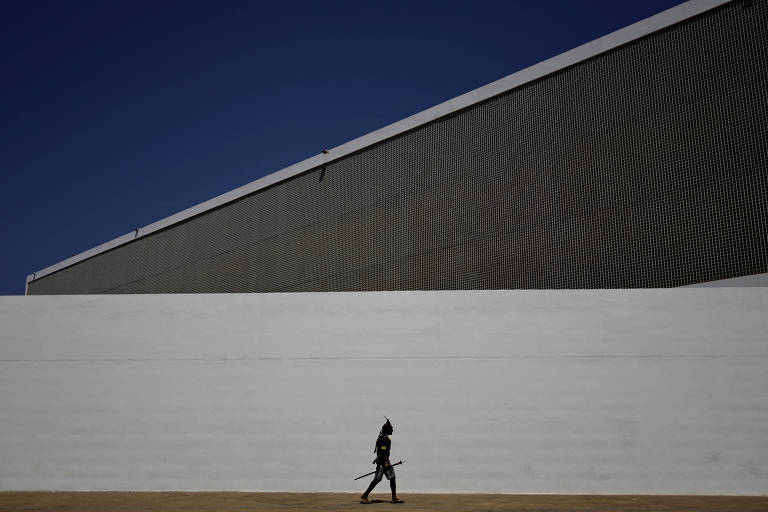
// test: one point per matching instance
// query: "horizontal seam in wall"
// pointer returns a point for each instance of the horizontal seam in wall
(388, 358)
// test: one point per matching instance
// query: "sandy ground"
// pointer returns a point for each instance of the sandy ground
(259, 502)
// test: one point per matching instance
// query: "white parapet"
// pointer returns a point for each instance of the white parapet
(619, 391)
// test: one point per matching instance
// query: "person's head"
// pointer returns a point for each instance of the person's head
(387, 429)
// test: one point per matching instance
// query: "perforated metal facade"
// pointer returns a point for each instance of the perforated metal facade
(645, 166)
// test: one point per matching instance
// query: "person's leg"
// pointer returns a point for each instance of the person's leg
(393, 485)
(375, 481)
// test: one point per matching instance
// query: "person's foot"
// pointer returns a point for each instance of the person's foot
(396, 500)
(364, 499)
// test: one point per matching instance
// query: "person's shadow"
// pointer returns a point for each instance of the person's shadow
(374, 501)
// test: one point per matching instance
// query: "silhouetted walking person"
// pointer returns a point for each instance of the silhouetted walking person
(383, 466)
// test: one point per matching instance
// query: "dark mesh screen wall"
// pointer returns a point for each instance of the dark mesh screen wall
(642, 167)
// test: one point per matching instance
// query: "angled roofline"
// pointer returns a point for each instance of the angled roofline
(581, 53)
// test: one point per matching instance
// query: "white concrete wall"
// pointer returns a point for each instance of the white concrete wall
(641, 391)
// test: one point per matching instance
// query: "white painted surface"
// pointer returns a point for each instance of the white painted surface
(641, 391)
(581, 53)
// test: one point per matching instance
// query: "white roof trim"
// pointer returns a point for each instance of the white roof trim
(615, 39)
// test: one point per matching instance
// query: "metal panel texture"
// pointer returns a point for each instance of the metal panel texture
(644, 166)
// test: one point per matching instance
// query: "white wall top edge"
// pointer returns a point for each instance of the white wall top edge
(613, 40)
(754, 280)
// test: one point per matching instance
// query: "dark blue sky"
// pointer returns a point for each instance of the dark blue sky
(118, 114)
